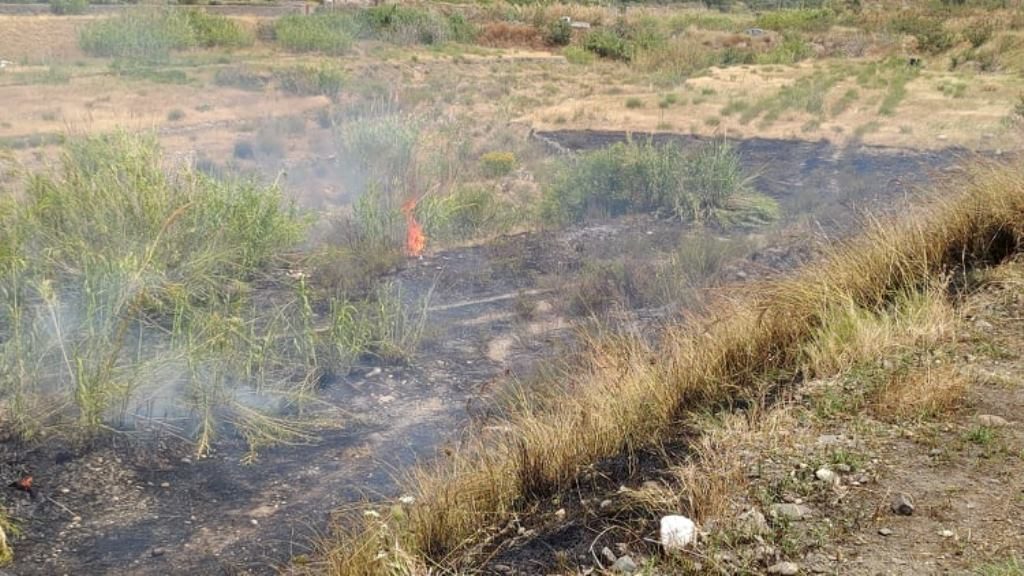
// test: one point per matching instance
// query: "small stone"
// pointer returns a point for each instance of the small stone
(935, 452)
(946, 533)
(885, 531)
(902, 504)
(677, 532)
(605, 503)
(76, 519)
(186, 460)
(560, 514)
(992, 421)
(843, 468)
(624, 565)
(784, 569)
(254, 522)
(753, 523)
(608, 555)
(165, 484)
(827, 476)
(65, 490)
(983, 324)
(790, 511)
(157, 552)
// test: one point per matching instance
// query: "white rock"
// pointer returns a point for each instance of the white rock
(784, 568)
(946, 533)
(677, 532)
(624, 565)
(827, 476)
(992, 420)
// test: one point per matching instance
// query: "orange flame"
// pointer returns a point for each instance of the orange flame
(415, 239)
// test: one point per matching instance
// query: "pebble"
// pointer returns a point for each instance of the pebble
(885, 531)
(605, 503)
(784, 569)
(157, 552)
(560, 514)
(624, 565)
(64, 490)
(902, 504)
(790, 511)
(165, 484)
(609, 555)
(843, 468)
(827, 476)
(254, 522)
(753, 523)
(946, 533)
(992, 420)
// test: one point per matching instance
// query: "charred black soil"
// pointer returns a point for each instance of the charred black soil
(137, 502)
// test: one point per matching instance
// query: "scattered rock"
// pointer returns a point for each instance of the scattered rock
(165, 484)
(885, 531)
(992, 420)
(605, 503)
(503, 568)
(982, 324)
(790, 511)
(946, 534)
(560, 514)
(624, 565)
(827, 476)
(843, 468)
(608, 555)
(753, 523)
(829, 439)
(784, 569)
(902, 504)
(157, 552)
(677, 532)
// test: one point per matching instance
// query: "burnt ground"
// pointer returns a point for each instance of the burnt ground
(137, 502)
(961, 469)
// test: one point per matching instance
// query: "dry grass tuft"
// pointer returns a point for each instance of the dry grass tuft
(620, 399)
(920, 394)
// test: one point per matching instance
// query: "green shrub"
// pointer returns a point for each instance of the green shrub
(69, 6)
(559, 33)
(979, 32)
(150, 35)
(466, 213)
(706, 184)
(802, 20)
(403, 24)
(577, 55)
(930, 32)
(241, 77)
(138, 34)
(327, 32)
(634, 103)
(607, 43)
(215, 30)
(495, 164)
(324, 79)
(793, 49)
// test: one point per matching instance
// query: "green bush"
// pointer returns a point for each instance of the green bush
(403, 24)
(607, 43)
(495, 164)
(577, 55)
(559, 33)
(150, 35)
(803, 20)
(466, 213)
(69, 6)
(141, 34)
(930, 33)
(215, 30)
(793, 49)
(322, 79)
(706, 184)
(327, 32)
(979, 32)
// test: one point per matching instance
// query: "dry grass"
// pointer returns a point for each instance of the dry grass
(919, 394)
(627, 394)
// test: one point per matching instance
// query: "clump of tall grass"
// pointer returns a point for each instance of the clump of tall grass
(127, 282)
(707, 184)
(151, 34)
(403, 24)
(630, 394)
(329, 32)
(323, 79)
(6, 528)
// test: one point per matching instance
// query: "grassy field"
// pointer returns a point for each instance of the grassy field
(202, 206)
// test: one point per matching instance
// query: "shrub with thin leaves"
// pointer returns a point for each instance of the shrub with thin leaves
(327, 32)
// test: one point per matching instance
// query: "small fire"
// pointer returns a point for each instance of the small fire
(415, 239)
